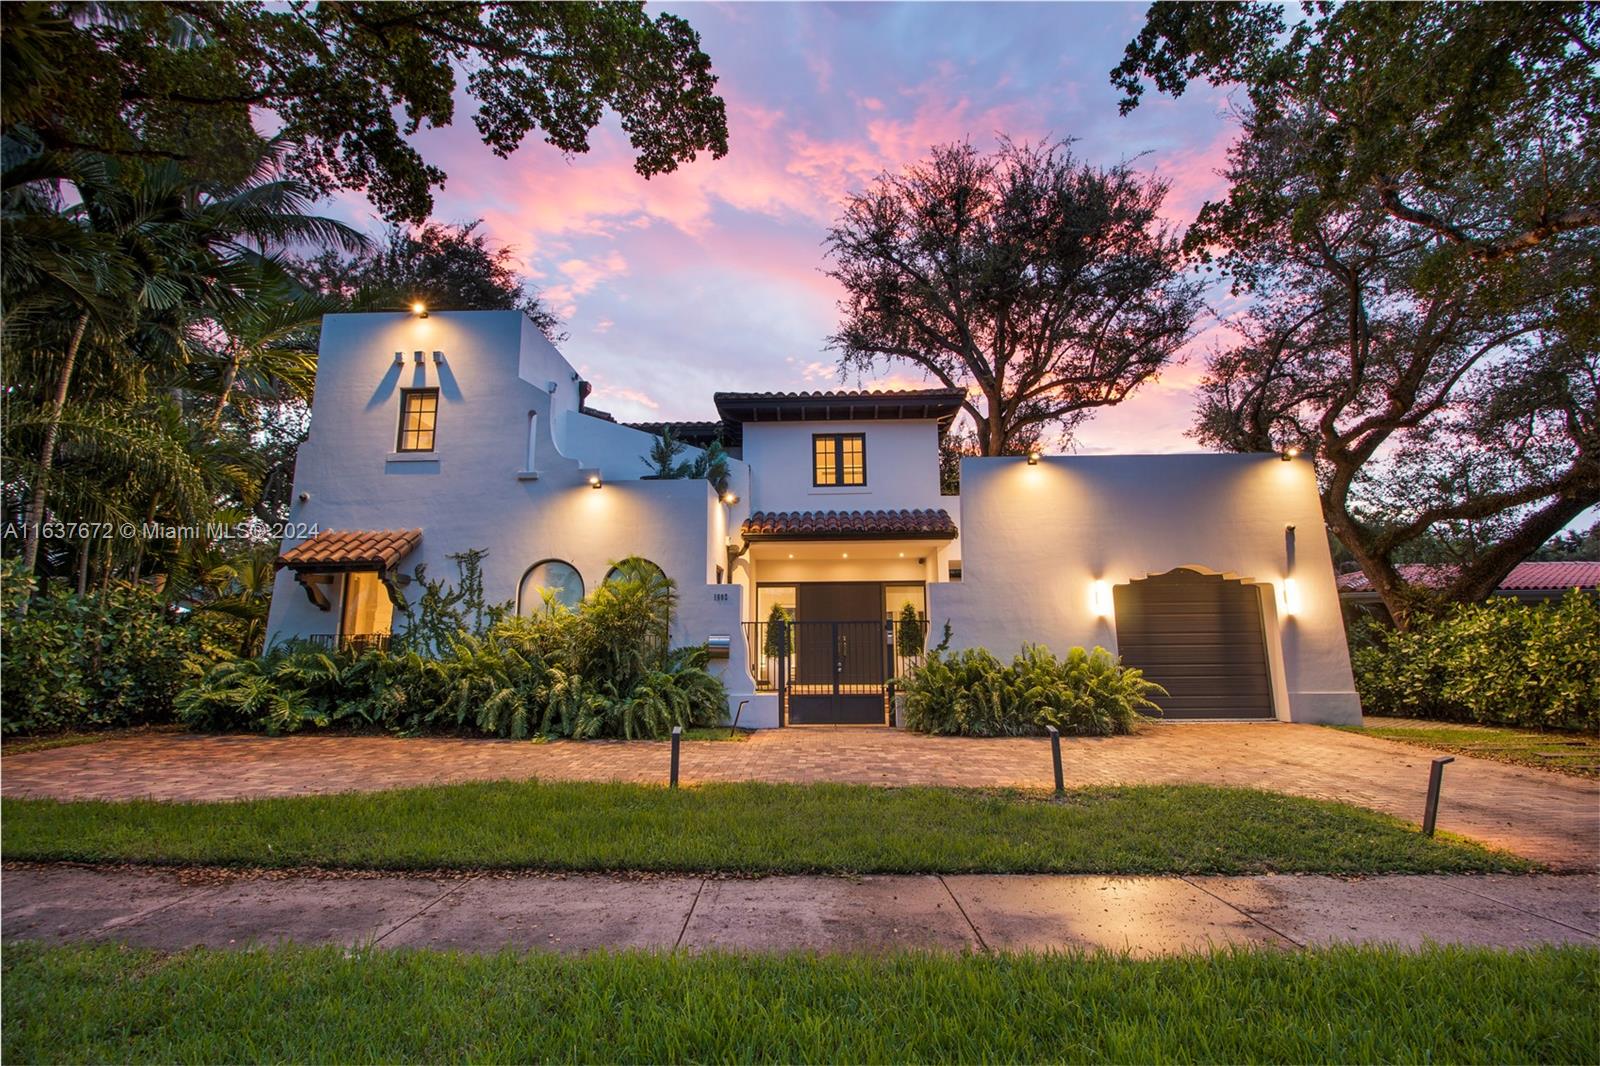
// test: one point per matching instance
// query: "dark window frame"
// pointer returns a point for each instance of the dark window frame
(838, 481)
(406, 396)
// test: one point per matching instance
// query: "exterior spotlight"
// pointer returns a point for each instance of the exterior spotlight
(1100, 598)
(1290, 452)
(1033, 456)
(730, 498)
(594, 480)
(419, 309)
(846, 555)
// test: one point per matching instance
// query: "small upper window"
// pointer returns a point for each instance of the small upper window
(839, 459)
(419, 411)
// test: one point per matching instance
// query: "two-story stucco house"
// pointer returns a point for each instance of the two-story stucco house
(435, 434)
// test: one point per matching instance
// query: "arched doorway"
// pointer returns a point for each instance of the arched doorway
(1200, 636)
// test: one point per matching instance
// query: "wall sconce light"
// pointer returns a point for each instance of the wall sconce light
(730, 498)
(1100, 598)
(399, 358)
(1291, 596)
(1033, 456)
(1290, 452)
(438, 357)
(416, 357)
(419, 309)
(594, 480)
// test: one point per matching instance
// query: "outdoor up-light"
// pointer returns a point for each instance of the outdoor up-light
(1033, 456)
(1100, 598)
(419, 309)
(594, 480)
(730, 498)
(1290, 452)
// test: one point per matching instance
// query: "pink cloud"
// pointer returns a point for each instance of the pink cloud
(712, 276)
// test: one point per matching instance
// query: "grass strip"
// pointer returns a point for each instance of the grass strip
(750, 828)
(291, 1004)
(1575, 754)
(23, 745)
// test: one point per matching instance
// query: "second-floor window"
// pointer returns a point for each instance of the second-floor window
(419, 412)
(839, 459)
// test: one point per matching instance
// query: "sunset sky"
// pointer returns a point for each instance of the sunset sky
(711, 278)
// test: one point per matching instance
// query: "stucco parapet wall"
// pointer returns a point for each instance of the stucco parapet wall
(1043, 546)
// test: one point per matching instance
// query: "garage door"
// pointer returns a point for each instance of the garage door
(1200, 637)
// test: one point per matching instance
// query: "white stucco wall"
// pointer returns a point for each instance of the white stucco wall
(467, 493)
(1035, 538)
(902, 466)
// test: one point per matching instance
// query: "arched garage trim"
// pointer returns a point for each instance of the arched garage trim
(1204, 635)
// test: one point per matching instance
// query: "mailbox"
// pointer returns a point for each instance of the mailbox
(719, 644)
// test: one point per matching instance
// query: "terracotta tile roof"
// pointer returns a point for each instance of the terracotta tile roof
(844, 405)
(1524, 577)
(847, 394)
(352, 549)
(801, 525)
(698, 434)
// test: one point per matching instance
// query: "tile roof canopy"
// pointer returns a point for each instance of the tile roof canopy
(698, 434)
(1524, 577)
(940, 404)
(931, 524)
(352, 549)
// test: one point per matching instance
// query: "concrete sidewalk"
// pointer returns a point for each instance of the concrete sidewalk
(572, 913)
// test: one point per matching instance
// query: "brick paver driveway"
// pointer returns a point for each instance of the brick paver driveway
(1544, 816)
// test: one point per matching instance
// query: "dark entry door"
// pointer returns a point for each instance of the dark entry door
(1200, 636)
(838, 670)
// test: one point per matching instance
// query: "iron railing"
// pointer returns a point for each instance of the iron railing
(357, 642)
(776, 649)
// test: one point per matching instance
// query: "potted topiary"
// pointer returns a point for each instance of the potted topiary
(910, 640)
(776, 644)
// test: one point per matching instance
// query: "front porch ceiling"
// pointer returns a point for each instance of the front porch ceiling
(854, 550)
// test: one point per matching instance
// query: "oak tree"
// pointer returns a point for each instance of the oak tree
(1412, 209)
(1045, 286)
(446, 267)
(347, 83)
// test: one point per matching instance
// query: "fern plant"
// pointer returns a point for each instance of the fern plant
(972, 693)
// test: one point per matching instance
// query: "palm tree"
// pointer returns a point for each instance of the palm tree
(273, 346)
(144, 262)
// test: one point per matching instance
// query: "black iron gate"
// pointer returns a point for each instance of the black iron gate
(836, 673)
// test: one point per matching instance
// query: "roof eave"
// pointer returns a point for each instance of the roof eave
(859, 535)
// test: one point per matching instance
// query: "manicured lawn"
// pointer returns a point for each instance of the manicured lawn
(108, 1004)
(1577, 754)
(749, 828)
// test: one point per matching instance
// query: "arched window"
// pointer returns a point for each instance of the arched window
(552, 575)
(644, 567)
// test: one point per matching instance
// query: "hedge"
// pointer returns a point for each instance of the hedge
(1497, 663)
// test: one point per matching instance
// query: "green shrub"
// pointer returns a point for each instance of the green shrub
(602, 670)
(1498, 663)
(972, 693)
(911, 634)
(98, 661)
(776, 643)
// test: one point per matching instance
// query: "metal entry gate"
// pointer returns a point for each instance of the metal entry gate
(835, 673)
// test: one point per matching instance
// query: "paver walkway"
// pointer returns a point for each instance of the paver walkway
(1145, 915)
(1544, 816)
